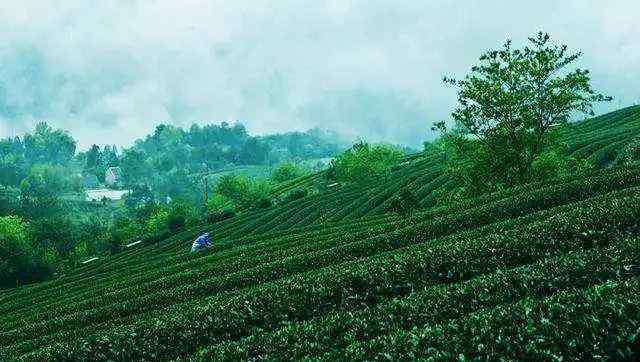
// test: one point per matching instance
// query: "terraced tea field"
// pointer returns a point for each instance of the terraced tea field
(543, 271)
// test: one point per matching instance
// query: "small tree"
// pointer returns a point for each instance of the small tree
(508, 106)
(244, 192)
(158, 221)
(364, 162)
(16, 255)
(285, 172)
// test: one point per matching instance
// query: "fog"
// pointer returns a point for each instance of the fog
(109, 71)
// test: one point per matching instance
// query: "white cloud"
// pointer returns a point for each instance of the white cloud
(110, 70)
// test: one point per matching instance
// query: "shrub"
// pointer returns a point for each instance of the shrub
(19, 262)
(9, 200)
(15, 252)
(157, 237)
(404, 202)
(109, 246)
(295, 194)
(553, 163)
(243, 191)
(158, 221)
(345, 286)
(364, 162)
(631, 153)
(218, 216)
(285, 172)
(175, 222)
(264, 202)
(218, 203)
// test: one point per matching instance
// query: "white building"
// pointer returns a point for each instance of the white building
(100, 194)
(113, 176)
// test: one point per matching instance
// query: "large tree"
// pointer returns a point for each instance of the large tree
(508, 105)
(48, 145)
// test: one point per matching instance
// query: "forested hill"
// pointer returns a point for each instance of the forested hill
(164, 159)
(372, 271)
(48, 225)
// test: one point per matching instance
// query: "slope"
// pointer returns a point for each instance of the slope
(333, 276)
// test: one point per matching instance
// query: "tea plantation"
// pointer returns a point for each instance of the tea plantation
(545, 271)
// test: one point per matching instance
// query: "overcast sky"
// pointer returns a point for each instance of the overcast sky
(110, 70)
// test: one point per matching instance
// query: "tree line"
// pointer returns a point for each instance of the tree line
(45, 224)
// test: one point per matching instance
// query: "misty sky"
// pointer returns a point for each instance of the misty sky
(110, 70)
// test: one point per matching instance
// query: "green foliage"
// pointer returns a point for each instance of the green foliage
(169, 159)
(309, 145)
(42, 180)
(531, 329)
(172, 217)
(264, 202)
(508, 105)
(221, 215)
(630, 155)
(140, 196)
(244, 192)
(218, 203)
(125, 230)
(20, 262)
(405, 202)
(181, 214)
(40, 191)
(254, 152)
(158, 221)
(296, 194)
(9, 201)
(15, 252)
(13, 166)
(553, 163)
(59, 233)
(134, 164)
(369, 334)
(285, 172)
(364, 162)
(46, 145)
(176, 221)
(97, 161)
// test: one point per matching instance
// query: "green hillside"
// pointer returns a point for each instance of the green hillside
(335, 276)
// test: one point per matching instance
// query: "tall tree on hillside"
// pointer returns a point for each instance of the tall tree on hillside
(48, 145)
(508, 106)
(134, 166)
(92, 157)
(39, 191)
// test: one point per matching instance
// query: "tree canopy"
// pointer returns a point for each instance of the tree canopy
(508, 106)
(365, 162)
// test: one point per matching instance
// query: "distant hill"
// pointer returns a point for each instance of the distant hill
(545, 270)
(168, 159)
